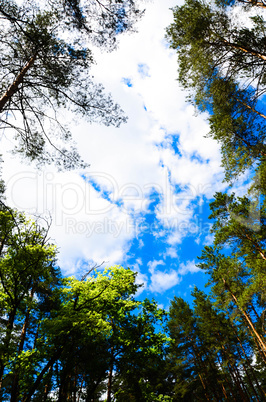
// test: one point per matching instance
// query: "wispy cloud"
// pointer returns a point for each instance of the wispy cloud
(154, 264)
(188, 267)
(143, 70)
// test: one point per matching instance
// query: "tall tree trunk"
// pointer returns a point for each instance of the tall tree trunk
(255, 394)
(244, 392)
(75, 382)
(257, 315)
(198, 362)
(251, 108)
(247, 318)
(15, 383)
(215, 390)
(64, 384)
(262, 392)
(110, 376)
(235, 374)
(228, 382)
(50, 363)
(6, 342)
(47, 385)
(13, 88)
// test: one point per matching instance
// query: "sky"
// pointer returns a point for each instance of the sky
(143, 202)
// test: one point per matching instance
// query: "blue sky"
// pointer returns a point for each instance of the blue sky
(143, 203)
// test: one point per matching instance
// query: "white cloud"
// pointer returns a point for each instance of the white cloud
(163, 280)
(171, 252)
(208, 241)
(141, 244)
(175, 237)
(188, 267)
(127, 162)
(84, 225)
(154, 264)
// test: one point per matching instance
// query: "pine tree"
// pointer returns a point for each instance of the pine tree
(46, 55)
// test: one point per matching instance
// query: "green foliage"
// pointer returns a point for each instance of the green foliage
(236, 269)
(211, 355)
(222, 64)
(218, 347)
(208, 40)
(28, 277)
(67, 336)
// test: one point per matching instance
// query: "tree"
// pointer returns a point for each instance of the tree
(208, 39)
(45, 69)
(27, 276)
(218, 347)
(237, 124)
(115, 346)
(231, 347)
(72, 338)
(139, 349)
(79, 321)
(222, 64)
(210, 354)
(236, 264)
(188, 358)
